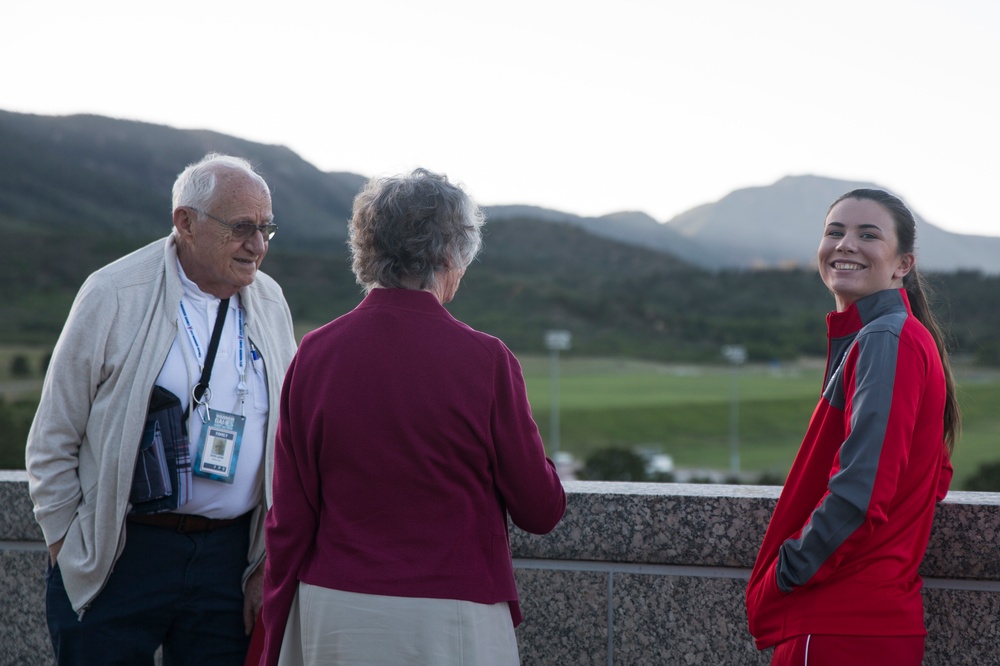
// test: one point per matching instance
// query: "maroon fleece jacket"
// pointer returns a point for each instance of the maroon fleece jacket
(405, 440)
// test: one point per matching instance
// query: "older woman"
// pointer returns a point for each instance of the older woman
(836, 579)
(405, 440)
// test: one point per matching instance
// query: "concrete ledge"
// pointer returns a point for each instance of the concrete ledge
(634, 574)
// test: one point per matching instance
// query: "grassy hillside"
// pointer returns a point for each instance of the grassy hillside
(115, 176)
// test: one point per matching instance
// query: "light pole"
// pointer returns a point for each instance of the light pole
(555, 341)
(737, 356)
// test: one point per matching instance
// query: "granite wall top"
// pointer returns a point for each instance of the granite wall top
(723, 525)
(17, 520)
(670, 523)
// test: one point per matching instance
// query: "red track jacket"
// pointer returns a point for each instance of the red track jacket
(842, 550)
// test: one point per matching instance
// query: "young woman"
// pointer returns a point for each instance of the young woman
(835, 581)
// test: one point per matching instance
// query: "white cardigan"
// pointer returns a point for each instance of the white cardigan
(82, 446)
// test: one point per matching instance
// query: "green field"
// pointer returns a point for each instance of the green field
(684, 411)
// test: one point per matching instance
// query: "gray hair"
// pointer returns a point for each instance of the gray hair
(195, 186)
(407, 228)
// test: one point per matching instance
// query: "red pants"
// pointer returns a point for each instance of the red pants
(812, 650)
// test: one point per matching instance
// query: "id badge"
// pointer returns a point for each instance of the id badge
(219, 447)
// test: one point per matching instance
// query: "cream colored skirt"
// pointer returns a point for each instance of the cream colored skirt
(333, 627)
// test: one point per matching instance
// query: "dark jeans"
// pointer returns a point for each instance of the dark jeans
(179, 590)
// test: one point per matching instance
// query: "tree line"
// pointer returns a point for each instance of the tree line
(533, 276)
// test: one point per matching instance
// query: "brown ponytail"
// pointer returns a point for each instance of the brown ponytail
(916, 292)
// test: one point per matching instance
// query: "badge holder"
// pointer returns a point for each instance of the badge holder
(218, 446)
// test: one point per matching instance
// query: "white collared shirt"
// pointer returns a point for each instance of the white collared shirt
(181, 372)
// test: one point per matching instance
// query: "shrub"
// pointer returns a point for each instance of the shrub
(985, 479)
(614, 464)
(19, 366)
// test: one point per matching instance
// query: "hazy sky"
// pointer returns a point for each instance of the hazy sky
(586, 107)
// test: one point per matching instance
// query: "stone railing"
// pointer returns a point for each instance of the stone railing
(655, 574)
(634, 574)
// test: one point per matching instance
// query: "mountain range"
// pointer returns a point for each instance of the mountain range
(116, 175)
(77, 192)
(773, 226)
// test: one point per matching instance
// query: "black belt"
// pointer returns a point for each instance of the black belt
(186, 523)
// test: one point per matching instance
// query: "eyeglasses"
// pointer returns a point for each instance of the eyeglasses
(243, 230)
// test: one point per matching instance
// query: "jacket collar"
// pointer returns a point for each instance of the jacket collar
(407, 299)
(866, 310)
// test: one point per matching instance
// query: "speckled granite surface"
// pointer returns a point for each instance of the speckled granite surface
(699, 618)
(23, 636)
(965, 538)
(17, 521)
(710, 525)
(565, 617)
(689, 620)
(675, 620)
(963, 627)
(717, 525)
(634, 574)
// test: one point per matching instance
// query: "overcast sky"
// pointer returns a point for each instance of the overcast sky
(586, 107)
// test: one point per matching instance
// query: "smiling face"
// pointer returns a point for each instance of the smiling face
(212, 259)
(859, 254)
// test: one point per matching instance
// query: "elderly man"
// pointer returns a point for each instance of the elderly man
(151, 501)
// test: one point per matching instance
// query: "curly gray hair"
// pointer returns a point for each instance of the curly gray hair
(406, 229)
